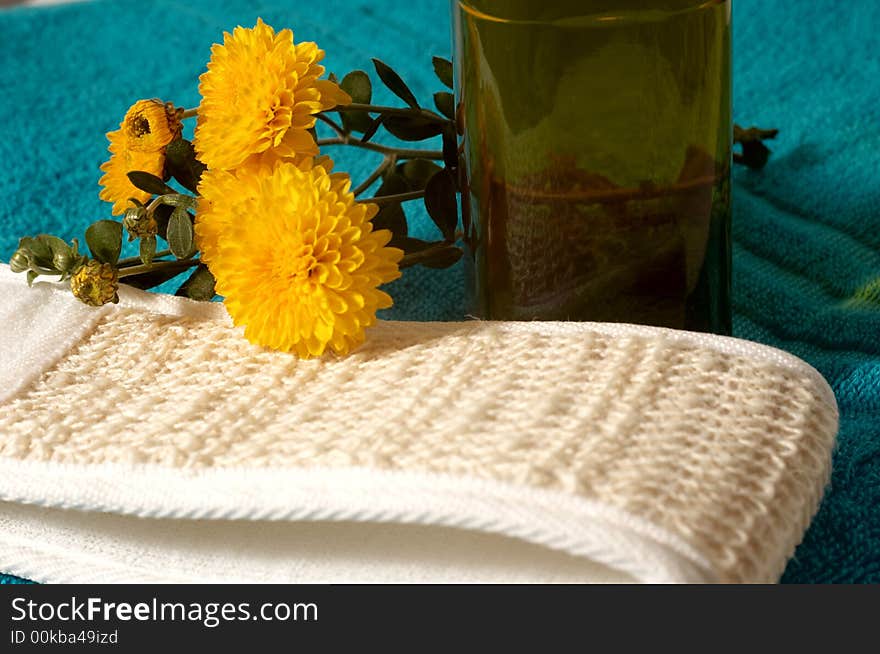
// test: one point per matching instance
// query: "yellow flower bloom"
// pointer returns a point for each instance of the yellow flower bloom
(295, 256)
(260, 96)
(139, 144)
(150, 125)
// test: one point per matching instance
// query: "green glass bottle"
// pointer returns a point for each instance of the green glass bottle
(597, 152)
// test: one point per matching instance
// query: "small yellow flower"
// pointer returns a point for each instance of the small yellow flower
(95, 283)
(260, 95)
(150, 125)
(295, 256)
(139, 144)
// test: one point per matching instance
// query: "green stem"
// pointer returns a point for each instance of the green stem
(336, 127)
(391, 111)
(190, 113)
(132, 261)
(391, 199)
(415, 258)
(172, 200)
(389, 161)
(402, 153)
(158, 265)
(43, 271)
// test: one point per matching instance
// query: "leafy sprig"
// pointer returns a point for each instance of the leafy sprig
(406, 174)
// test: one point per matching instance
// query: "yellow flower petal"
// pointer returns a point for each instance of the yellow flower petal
(117, 188)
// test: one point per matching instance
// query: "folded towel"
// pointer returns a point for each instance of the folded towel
(806, 229)
(616, 451)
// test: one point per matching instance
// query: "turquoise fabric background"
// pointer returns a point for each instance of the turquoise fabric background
(807, 228)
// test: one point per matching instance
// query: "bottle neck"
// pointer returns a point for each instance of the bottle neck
(566, 10)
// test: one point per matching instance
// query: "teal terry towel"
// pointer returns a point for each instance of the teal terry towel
(807, 228)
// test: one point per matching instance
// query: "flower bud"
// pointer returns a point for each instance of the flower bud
(139, 223)
(20, 261)
(95, 283)
(150, 125)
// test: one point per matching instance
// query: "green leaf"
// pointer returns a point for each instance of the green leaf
(370, 132)
(412, 128)
(430, 255)
(393, 218)
(393, 184)
(417, 172)
(162, 214)
(104, 239)
(441, 258)
(443, 70)
(357, 84)
(450, 148)
(199, 286)
(149, 183)
(441, 201)
(180, 234)
(395, 84)
(182, 164)
(148, 249)
(412, 246)
(31, 276)
(445, 102)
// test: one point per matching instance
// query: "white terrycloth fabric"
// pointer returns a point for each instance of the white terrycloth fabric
(150, 442)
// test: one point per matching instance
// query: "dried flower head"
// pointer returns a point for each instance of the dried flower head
(245, 113)
(95, 283)
(295, 256)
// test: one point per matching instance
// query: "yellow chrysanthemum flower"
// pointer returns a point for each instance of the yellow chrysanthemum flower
(260, 96)
(294, 255)
(139, 144)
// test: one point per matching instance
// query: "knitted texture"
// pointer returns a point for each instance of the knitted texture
(730, 451)
(806, 228)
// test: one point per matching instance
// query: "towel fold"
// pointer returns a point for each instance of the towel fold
(615, 451)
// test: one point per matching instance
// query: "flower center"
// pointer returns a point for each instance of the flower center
(299, 266)
(140, 126)
(308, 268)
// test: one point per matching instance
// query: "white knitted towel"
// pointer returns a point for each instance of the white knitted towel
(149, 441)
